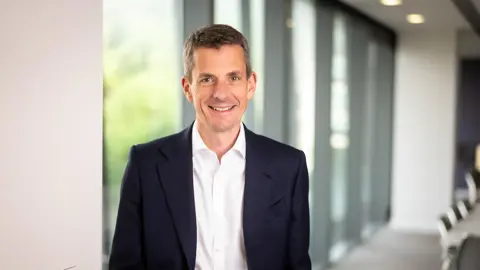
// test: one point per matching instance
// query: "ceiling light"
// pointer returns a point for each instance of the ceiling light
(415, 18)
(391, 2)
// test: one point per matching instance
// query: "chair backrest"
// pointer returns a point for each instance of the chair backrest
(464, 207)
(467, 255)
(472, 188)
(468, 205)
(454, 214)
(444, 225)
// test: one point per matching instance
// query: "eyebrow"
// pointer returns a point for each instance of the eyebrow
(233, 72)
(202, 75)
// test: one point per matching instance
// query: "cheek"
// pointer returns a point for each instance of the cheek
(201, 99)
(199, 95)
(196, 97)
(242, 95)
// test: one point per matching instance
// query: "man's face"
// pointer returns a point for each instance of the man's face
(219, 88)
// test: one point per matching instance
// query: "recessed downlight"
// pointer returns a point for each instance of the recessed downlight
(391, 2)
(415, 18)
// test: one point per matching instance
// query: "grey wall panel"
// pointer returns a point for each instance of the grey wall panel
(320, 187)
(358, 51)
(382, 149)
(277, 44)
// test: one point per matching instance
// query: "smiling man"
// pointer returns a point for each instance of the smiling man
(214, 196)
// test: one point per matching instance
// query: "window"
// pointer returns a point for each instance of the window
(303, 37)
(228, 12)
(257, 48)
(369, 138)
(142, 100)
(339, 137)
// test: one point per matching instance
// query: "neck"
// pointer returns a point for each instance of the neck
(218, 142)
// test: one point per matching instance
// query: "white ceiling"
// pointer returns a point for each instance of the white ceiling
(439, 14)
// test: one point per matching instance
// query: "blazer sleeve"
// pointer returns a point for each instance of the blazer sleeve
(299, 234)
(127, 252)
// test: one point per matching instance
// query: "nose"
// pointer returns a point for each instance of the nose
(221, 90)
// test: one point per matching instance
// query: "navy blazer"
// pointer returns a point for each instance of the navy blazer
(156, 224)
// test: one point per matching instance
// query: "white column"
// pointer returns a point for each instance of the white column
(424, 129)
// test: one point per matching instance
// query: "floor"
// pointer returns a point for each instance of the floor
(389, 250)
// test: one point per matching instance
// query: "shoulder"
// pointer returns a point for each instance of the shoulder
(151, 150)
(278, 150)
(278, 147)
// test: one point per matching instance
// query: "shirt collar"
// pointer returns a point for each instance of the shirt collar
(198, 143)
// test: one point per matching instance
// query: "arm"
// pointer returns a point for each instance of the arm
(127, 250)
(299, 235)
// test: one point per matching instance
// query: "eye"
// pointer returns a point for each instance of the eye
(235, 78)
(206, 80)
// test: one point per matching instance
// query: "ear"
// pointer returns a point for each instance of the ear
(252, 85)
(187, 89)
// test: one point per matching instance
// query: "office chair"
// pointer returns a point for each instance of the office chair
(454, 214)
(466, 256)
(472, 188)
(444, 225)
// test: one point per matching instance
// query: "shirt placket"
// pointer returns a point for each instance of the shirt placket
(218, 220)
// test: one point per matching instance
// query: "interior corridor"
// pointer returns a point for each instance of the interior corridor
(391, 250)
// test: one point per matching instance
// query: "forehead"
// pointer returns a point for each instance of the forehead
(223, 59)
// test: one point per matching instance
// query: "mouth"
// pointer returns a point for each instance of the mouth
(222, 109)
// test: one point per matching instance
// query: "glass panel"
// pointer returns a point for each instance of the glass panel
(141, 78)
(303, 98)
(339, 139)
(303, 37)
(228, 12)
(257, 48)
(369, 137)
(382, 148)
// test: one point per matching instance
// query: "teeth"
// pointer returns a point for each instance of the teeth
(220, 109)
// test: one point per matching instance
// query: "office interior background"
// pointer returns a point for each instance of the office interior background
(325, 86)
(384, 109)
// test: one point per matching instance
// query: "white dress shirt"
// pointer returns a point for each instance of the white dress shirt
(218, 191)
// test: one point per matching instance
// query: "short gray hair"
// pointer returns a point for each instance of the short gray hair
(213, 36)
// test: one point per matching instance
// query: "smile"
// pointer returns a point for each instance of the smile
(221, 109)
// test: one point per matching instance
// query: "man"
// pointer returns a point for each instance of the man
(215, 196)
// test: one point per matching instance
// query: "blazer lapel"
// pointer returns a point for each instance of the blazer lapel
(176, 178)
(257, 191)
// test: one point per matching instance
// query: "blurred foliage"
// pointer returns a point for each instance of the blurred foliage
(141, 86)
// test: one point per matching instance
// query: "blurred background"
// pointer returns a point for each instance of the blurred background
(367, 89)
(381, 95)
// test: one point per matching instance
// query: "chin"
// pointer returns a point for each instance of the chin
(222, 127)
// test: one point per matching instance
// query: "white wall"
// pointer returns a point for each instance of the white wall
(424, 127)
(468, 44)
(51, 134)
